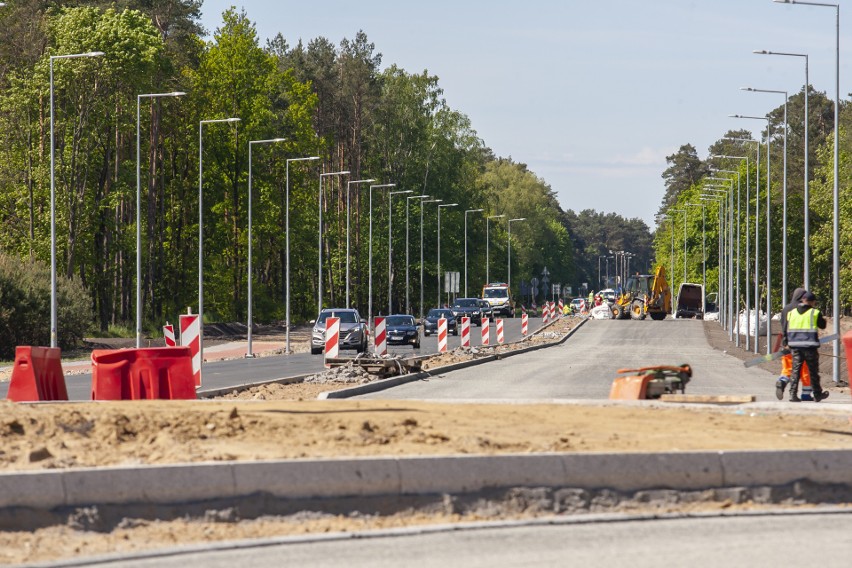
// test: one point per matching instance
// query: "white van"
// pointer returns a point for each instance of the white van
(498, 295)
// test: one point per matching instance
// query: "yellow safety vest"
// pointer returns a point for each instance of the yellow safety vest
(802, 328)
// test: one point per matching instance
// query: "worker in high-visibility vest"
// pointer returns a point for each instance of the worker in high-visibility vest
(802, 336)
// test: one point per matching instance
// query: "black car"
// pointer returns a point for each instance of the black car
(402, 330)
(485, 309)
(468, 307)
(430, 323)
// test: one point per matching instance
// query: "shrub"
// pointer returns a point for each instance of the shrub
(25, 306)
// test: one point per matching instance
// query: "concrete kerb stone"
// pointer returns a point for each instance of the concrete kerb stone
(212, 393)
(421, 475)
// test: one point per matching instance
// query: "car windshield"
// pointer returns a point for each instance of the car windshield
(435, 313)
(399, 320)
(346, 316)
(496, 293)
(466, 303)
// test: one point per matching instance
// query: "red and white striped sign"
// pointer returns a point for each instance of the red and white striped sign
(169, 335)
(561, 307)
(442, 335)
(381, 337)
(486, 331)
(524, 324)
(332, 339)
(190, 337)
(500, 331)
(465, 332)
(545, 313)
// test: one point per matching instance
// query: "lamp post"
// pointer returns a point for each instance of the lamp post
(287, 247)
(370, 254)
(718, 200)
(319, 235)
(784, 198)
(348, 256)
(735, 286)
(600, 256)
(439, 246)
(730, 301)
(421, 250)
(249, 353)
(407, 261)
(139, 210)
(807, 250)
(835, 280)
(703, 248)
(509, 249)
(487, 274)
(54, 327)
(465, 245)
(201, 230)
(768, 227)
(390, 245)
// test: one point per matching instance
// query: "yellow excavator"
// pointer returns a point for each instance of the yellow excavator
(644, 294)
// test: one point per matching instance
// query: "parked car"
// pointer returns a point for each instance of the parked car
(402, 330)
(430, 323)
(353, 330)
(485, 309)
(690, 301)
(468, 307)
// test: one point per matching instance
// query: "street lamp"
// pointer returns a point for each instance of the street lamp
(465, 245)
(370, 255)
(139, 212)
(835, 280)
(703, 247)
(287, 247)
(768, 227)
(735, 286)
(319, 235)
(348, 193)
(487, 276)
(421, 251)
(784, 198)
(249, 353)
(439, 246)
(807, 252)
(509, 249)
(729, 268)
(54, 337)
(407, 260)
(390, 245)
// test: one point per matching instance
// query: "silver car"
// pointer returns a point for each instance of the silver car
(353, 330)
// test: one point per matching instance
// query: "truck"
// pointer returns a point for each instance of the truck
(499, 297)
(644, 294)
(690, 301)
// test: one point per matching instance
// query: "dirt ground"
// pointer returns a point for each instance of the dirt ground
(284, 421)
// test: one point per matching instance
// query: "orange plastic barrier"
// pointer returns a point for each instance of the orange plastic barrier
(135, 374)
(847, 346)
(37, 375)
(630, 388)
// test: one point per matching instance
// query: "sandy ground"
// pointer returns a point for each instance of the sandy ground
(282, 421)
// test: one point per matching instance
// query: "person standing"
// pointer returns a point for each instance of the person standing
(782, 381)
(802, 336)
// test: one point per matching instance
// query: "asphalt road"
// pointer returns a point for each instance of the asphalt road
(731, 541)
(223, 374)
(584, 366)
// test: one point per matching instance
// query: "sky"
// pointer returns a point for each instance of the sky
(591, 95)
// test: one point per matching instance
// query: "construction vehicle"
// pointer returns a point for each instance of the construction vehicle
(644, 294)
(650, 382)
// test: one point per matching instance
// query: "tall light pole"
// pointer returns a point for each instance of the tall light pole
(421, 250)
(465, 245)
(731, 301)
(703, 248)
(784, 197)
(735, 286)
(370, 254)
(768, 228)
(201, 230)
(390, 245)
(54, 327)
(319, 235)
(599, 268)
(487, 238)
(407, 260)
(249, 353)
(807, 251)
(348, 256)
(139, 210)
(509, 249)
(835, 280)
(287, 247)
(439, 246)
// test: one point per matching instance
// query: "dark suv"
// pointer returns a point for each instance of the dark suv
(430, 322)
(468, 307)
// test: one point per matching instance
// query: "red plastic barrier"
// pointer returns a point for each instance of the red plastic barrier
(847, 346)
(135, 374)
(37, 375)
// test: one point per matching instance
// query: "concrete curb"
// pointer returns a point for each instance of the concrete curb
(384, 384)
(421, 475)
